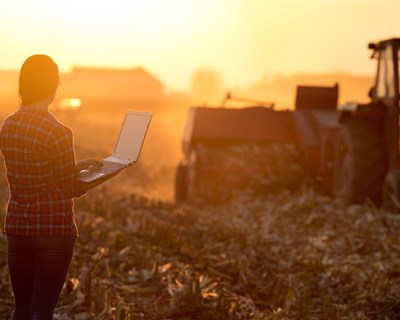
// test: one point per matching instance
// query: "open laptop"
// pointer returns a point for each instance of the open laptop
(127, 148)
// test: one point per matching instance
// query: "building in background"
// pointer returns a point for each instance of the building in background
(121, 84)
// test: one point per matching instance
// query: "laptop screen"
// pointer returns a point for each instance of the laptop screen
(132, 134)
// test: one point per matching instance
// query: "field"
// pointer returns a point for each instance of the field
(276, 255)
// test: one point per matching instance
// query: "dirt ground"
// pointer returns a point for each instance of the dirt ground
(275, 255)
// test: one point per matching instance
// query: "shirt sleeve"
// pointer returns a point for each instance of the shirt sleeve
(64, 163)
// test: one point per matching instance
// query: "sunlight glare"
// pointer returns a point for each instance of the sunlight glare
(69, 104)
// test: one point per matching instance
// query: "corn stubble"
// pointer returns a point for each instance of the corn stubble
(279, 256)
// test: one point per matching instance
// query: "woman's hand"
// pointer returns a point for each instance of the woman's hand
(88, 164)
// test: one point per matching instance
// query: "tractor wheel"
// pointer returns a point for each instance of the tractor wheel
(181, 183)
(360, 162)
(391, 192)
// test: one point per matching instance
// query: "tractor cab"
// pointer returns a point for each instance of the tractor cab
(386, 93)
(368, 144)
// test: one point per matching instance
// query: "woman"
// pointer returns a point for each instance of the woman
(41, 172)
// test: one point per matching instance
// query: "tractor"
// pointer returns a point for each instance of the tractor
(367, 155)
(351, 151)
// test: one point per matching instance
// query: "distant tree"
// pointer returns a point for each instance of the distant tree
(206, 86)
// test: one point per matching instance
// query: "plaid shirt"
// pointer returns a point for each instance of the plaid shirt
(41, 172)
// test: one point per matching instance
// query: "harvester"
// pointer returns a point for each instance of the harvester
(350, 151)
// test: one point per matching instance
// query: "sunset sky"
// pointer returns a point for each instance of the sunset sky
(244, 40)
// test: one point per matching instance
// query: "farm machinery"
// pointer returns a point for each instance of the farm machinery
(350, 151)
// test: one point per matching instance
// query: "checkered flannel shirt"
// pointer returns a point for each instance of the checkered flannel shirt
(41, 172)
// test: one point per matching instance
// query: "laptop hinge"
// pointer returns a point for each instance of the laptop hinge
(118, 160)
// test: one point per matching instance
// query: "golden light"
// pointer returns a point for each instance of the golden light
(69, 104)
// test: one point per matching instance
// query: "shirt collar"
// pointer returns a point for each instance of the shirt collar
(34, 109)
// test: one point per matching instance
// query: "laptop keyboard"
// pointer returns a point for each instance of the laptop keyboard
(109, 167)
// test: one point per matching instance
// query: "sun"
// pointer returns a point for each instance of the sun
(128, 30)
(86, 13)
(148, 16)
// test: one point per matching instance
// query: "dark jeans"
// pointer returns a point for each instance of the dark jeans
(38, 267)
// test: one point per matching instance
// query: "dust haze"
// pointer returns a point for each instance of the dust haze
(106, 94)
